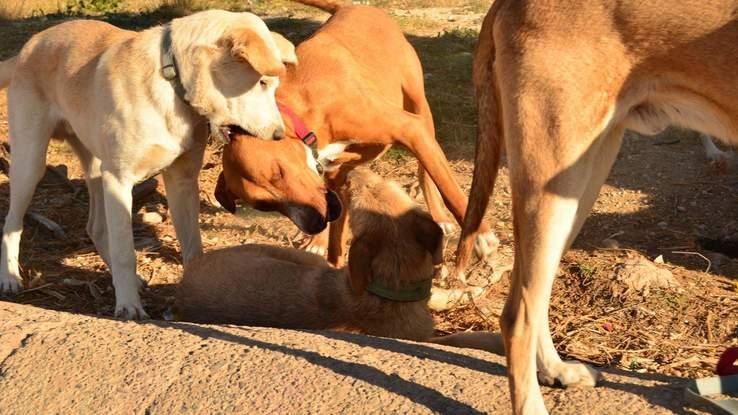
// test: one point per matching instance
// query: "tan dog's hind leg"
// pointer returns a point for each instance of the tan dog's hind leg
(96, 223)
(30, 131)
(559, 158)
(183, 198)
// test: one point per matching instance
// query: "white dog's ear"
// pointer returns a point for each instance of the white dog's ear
(262, 55)
(286, 49)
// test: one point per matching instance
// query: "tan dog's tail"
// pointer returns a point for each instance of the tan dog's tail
(480, 340)
(7, 67)
(489, 140)
(330, 6)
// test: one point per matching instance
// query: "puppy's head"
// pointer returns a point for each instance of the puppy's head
(276, 176)
(230, 65)
(394, 240)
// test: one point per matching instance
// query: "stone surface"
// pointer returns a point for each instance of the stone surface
(55, 362)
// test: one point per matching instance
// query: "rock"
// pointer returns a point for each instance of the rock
(56, 362)
(659, 259)
(610, 243)
(152, 218)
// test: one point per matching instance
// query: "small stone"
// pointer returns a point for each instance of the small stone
(659, 259)
(681, 209)
(610, 243)
(662, 225)
(152, 218)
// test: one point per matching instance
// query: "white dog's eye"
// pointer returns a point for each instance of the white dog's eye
(263, 84)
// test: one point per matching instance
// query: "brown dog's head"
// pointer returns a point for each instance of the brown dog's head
(276, 176)
(393, 238)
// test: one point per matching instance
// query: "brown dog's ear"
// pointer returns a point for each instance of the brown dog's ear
(360, 264)
(246, 44)
(286, 49)
(224, 196)
(430, 236)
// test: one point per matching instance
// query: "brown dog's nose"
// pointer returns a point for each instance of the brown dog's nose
(278, 134)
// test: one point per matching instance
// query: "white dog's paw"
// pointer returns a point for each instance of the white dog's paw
(10, 284)
(130, 311)
(128, 303)
(486, 244)
(568, 375)
(446, 227)
(317, 250)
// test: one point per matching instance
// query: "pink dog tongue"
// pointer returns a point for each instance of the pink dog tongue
(726, 365)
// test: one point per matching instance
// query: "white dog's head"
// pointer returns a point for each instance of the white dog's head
(229, 65)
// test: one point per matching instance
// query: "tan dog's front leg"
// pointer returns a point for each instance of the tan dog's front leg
(434, 201)
(118, 201)
(183, 196)
(337, 237)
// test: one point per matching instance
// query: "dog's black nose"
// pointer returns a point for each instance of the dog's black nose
(278, 134)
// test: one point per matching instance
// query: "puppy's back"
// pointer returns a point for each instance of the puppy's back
(261, 286)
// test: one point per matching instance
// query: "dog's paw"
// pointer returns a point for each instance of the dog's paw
(447, 227)
(10, 284)
(485, 244)
(569, 375)
(316, 249)
(131, 312)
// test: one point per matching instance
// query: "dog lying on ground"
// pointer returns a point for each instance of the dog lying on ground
(130, 105)
(359, 87)
(383, 292)
(557, 83)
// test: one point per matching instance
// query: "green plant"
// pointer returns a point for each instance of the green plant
(92, 6)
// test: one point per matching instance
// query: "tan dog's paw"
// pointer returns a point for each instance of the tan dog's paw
(317, 250)
(11, 284)
(569, 374)
(485, 244)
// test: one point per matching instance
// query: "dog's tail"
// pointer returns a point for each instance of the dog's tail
(330, 6)
(7, 67)
(480, 340)
(489, 140)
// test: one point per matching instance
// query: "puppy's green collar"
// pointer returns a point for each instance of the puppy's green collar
(413, 291)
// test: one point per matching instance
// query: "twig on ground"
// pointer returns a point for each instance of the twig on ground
(709, 263)
(48, 224)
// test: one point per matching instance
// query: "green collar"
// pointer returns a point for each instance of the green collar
(414, 291)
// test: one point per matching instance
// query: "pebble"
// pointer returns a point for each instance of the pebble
(610, 243)
(152, 218)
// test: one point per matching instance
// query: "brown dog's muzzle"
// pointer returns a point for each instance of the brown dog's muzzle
(307, 217)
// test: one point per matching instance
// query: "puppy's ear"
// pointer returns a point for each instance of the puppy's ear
(263, 56)
(360, 264)
(430, 236)
(286, 49)
(224, 196)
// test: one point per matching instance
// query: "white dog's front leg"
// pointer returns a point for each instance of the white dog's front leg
(183, 195)
(118, 201)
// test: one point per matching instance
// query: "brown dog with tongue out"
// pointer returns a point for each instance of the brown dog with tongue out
(359, 88)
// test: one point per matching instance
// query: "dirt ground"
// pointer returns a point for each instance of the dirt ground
(660, 198)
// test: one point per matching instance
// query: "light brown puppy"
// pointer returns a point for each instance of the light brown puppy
(359, 87)
(557, 84)
(384, 290)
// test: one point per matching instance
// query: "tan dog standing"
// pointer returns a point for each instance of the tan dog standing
(359, 87)
(557, 84)
(130, 105)
(384, 290)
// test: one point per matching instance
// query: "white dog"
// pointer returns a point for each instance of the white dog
(130, 105)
